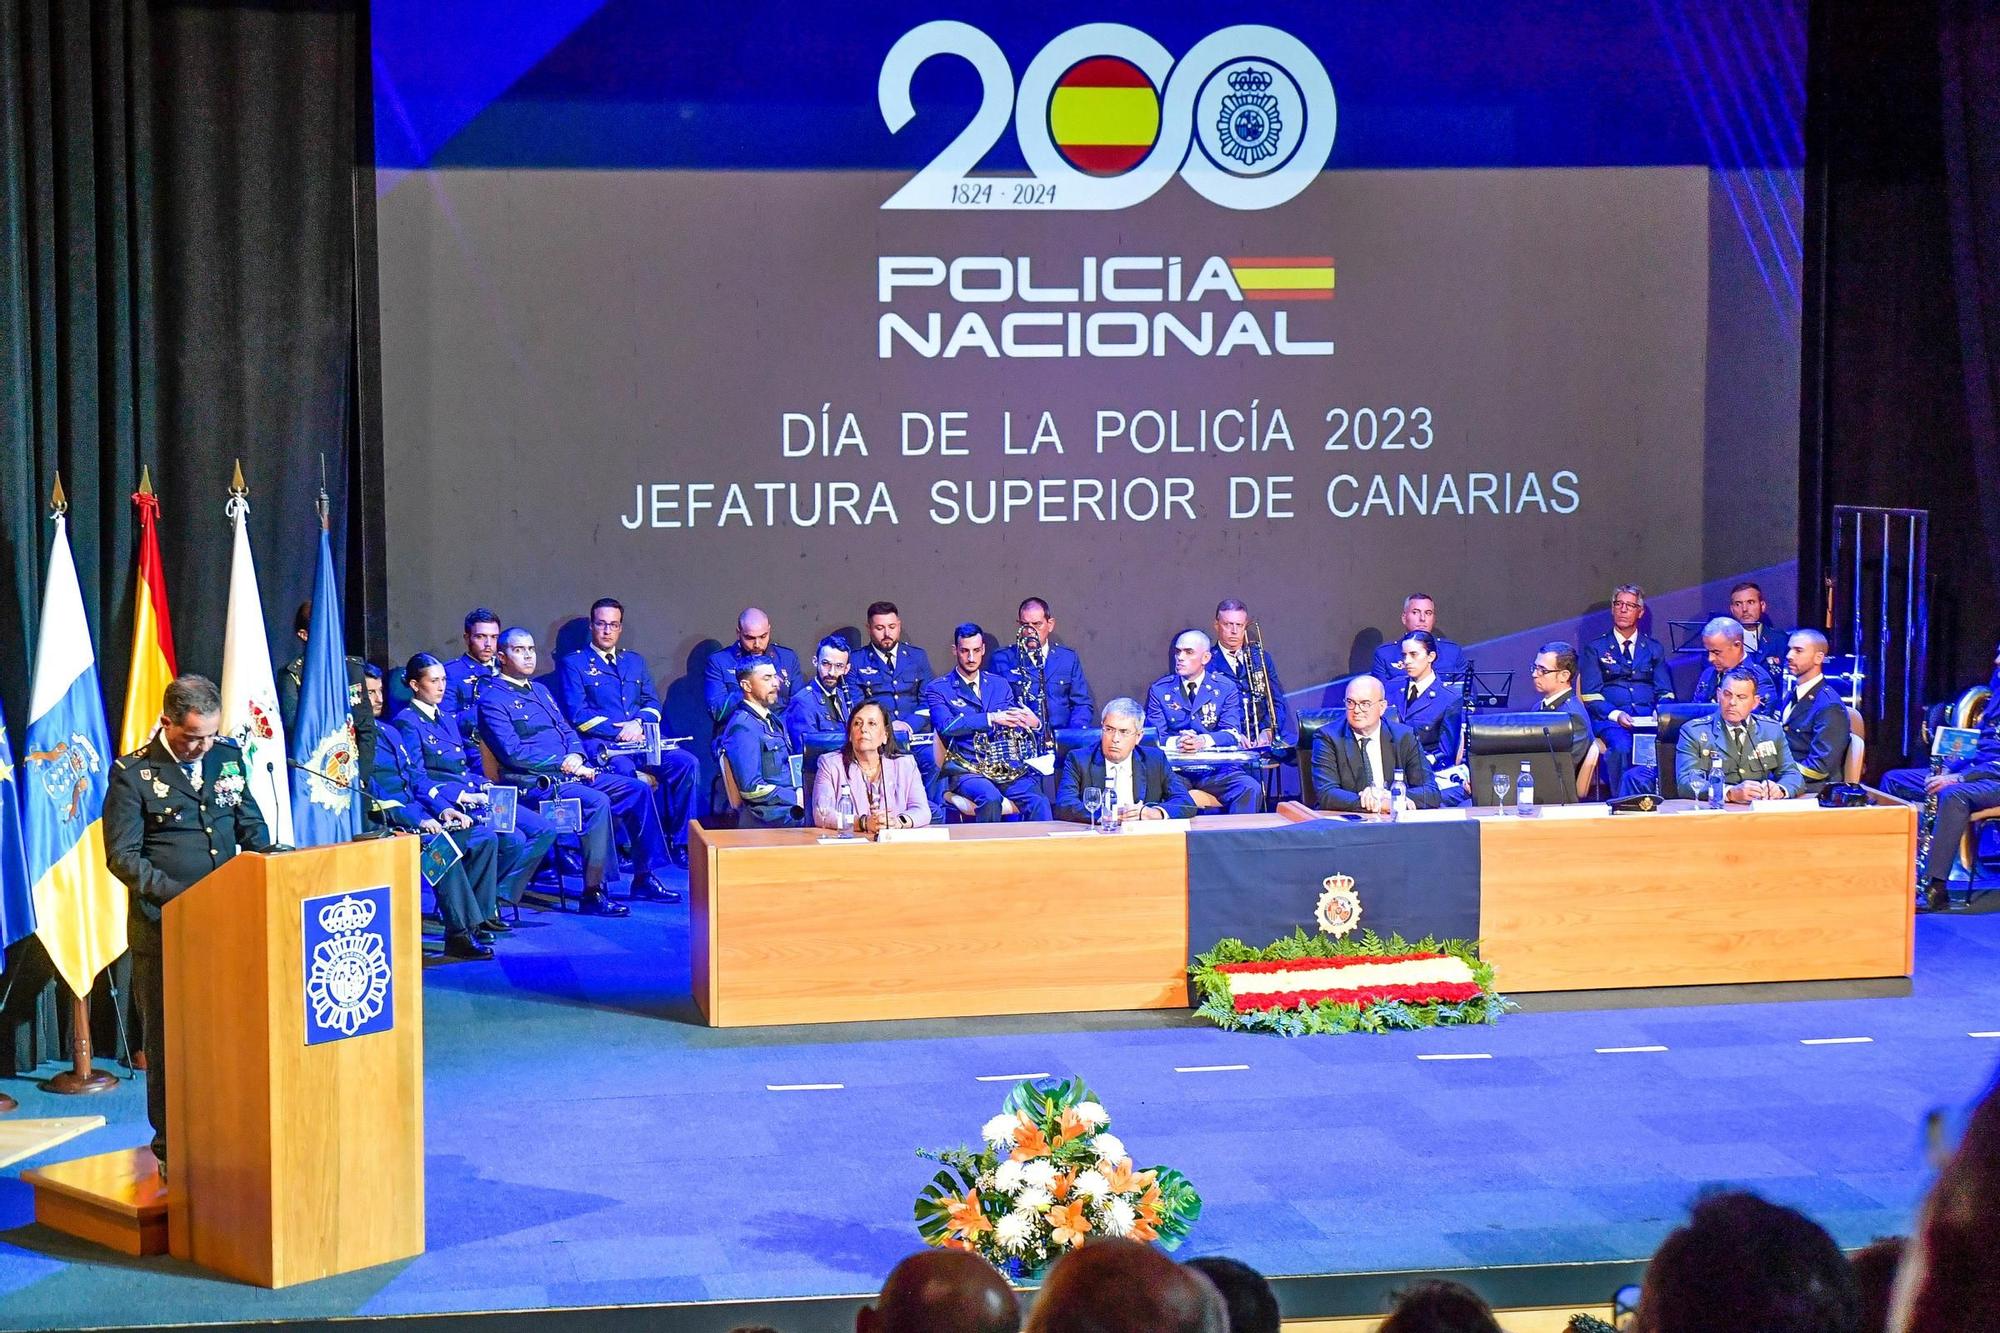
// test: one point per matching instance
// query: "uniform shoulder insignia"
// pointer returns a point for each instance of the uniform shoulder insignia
(125, 759)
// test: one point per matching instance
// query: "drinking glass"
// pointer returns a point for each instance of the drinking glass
(1501, 785)
(1093, 801)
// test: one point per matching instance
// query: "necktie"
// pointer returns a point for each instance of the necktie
(1625, 651)
(1737, 745)
(1372, 761)
(193, 771)
(1187, 688)
(1412, 695)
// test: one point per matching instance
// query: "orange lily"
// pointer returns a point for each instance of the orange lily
(1068, 1226)
(1119, 1175)
(964, 1217)
(1059, 1187)
(1030, 1142)
(1072, 1126)
(1149, 1204)
(1143, 1230)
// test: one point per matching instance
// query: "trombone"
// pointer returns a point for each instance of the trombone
(1260, 710)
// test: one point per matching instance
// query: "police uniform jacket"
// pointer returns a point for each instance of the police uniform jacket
(1611, 684)
(161, 835)
(718, 683)
(1437, 715)
(1764, 756)
(601, 694)
(1770, 697)
(1340, 768)
(292, 679)
(1069, 700)
(525, 729)
(760, 759)
(440, 748)
(961, 708)
(1568, 703)
(464, 681)
(1816, 728)
(1215, 711)
(1388, 664)
(1286, 732)
(814, 712)
(897, 685)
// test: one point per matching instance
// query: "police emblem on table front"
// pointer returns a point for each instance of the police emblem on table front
(1339, 909)
(349, 973)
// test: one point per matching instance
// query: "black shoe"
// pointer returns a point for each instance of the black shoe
(596, 904)
(493, 925)
(1936, 898)
(465, 946)
(652, 891)
(678, 854)
(482, 934)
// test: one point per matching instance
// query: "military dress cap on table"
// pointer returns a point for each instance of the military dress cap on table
(467, 892)
(962, 709)
(169, 822)
(608, 693)
(535, 746)
(1194, 701)
(1146, 780)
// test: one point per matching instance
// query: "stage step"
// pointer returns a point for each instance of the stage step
(115, 1199)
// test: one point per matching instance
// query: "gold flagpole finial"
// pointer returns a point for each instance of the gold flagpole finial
(57, 500)
(236, 484)
(145, 479)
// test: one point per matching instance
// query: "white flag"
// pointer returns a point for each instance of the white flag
(250, 690)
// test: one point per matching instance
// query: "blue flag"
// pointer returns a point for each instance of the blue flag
(17, 899)
(326, 787)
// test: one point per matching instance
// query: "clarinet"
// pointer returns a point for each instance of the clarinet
(1927, 823)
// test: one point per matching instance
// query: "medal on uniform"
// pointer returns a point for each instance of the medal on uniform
(159, 787)
(145, 775)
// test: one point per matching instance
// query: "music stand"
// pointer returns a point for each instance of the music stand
(1684, 636)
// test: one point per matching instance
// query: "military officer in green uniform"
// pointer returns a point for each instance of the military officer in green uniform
(173, 812)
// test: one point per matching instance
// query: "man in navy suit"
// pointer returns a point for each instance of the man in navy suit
(1622, 677)
(1068, 702)
(1435, 711)
(969, 702)
(1355, 760)
(1143, 785)
(608, 695)
(1192, 709)
(1419, 613)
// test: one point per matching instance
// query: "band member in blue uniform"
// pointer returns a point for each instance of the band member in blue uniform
(1435, 712)
(1757, 764)
(1356, 758)
(1967, 787)
(1237, 658)
(971, 707)
(895, 675)
(1909, 783)
(1135, 777)
(1069, 701)
(446, 782)
(1622, 677)
(1722, 640)
(467, 676)
(1554, 678)
(1194, 709)
(1814, 715)
(1419, 613)
(759, 754)
(753, 641)
(536, 747)
(608, 694)
(822, 707)
(467, 892)
(1761, 639)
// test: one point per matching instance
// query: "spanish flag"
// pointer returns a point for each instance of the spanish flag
(152, 630)
(79, 907)
(1285, 278)
(1104, 116)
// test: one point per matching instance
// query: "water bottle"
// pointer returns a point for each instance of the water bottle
(1715, 783)
(843, 813)
(1524, 790)
(1399, 795)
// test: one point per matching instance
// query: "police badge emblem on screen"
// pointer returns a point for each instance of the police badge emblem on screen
(1106, 116)
(349, 976)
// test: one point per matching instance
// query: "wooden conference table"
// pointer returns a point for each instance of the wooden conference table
(1049, 918)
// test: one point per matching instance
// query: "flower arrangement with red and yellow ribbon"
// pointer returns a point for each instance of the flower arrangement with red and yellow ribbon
(1313, 984)
(1049, 1176)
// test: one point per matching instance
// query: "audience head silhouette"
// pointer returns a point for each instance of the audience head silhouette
(1121, 1286)
(1439, 1307)
(1252, 1305)
(1743, 1263)
(942, 1289)
(1875, 1280)
(1946, 1281)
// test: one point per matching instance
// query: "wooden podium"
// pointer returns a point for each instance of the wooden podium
(292, 1161)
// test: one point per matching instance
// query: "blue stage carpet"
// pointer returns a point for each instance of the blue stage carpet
(589, 1145)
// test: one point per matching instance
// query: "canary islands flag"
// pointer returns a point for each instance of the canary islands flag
(326, 787)
(65, 764)
(17, 905)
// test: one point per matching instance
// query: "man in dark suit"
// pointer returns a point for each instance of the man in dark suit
(173, 812)
(1355, 760)
(1143, 784)
(1554, 678)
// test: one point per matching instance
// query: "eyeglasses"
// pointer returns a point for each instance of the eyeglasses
(1363, 705)
(1627, 603)
(1539, 670)
(607, 624)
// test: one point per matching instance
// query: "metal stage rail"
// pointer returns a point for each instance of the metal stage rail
(1878, 609)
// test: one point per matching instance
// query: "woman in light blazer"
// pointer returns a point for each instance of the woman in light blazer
(881, 781)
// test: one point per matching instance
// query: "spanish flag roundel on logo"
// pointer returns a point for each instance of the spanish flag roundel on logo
(1104, 116)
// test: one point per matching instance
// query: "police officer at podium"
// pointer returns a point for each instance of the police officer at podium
(174, 811)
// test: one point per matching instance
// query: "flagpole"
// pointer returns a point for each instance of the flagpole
(80, 1077)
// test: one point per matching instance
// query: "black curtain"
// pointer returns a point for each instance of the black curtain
(185, 280)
